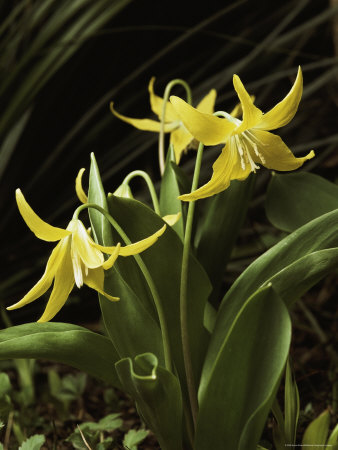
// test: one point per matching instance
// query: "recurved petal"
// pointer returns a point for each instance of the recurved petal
(238, 111)
(207, 104)
(95, 280)
(226, 168)
(79, 189)
(251, 114)
(83, 245)
(285, 110)
(156, 104)
(171, 219)
(40, 228)
(140, 246)
(180, 139)
(63, 284)
(276, 153)
(46, 280)
(112, 258)
(145, 124)
(206, 128)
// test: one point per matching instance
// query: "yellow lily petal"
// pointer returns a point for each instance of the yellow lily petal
(82, 245)
(180, 139)
(47, 278)
(156, 104)
(207, 104)
(63, 285)
(95, 280)
(40, 228)
(145, 124)
(251, 114)
(112, 258)
(275, 152)
(238, 111)
(227, 167)
(140, 246)
(136, 247)
(79, 189)
(206, 128)
(171, 219)
(285, 110)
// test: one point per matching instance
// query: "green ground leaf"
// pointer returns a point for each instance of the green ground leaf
(316, 433)
(133, 438)
(237, 391)
(33, 443)
(295, 199)
(69, 344)
(158, 397)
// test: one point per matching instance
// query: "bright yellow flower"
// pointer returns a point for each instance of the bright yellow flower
(76, 259)
(248, 141)
(180, 137)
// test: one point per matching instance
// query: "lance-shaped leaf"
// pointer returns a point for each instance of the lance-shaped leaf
(294, 199)
(163, 261)
(237, 390)
(291, 406)
(132, 322)
(225, 214)
(319, 234)
(158, 397)
(62, 342)
(174, 183)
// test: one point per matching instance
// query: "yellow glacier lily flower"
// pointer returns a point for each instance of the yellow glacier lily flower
(76, 259)
(180, 137)
(248, 142)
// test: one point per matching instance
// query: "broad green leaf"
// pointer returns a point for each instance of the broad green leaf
(319, 234)
(316, 433)
(163, 261)
(33, 443)
(225, 214)
(158, 397)
(237, 391)
(297, 278)
(294, 199)
(108, 423)
(131, 323)
(174, 183)
(291, 406)
(62, 342)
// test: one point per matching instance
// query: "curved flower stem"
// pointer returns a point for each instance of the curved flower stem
(147, 276)
(146, 177)
(161, 156)
(184, 292)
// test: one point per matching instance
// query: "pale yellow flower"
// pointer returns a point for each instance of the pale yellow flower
(248, 142)
(76, 259)
(180, 137)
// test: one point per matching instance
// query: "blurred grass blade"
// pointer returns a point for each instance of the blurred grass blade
(8, 146)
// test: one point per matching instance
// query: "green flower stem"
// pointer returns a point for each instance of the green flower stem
(184, 292)
(161, 155)
(147, 276)
(151, 187)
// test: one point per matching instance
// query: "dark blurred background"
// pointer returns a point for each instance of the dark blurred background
(62, 62)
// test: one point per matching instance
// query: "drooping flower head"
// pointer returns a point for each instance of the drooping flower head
(76, 259)
(180, 137)
(248, 142)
